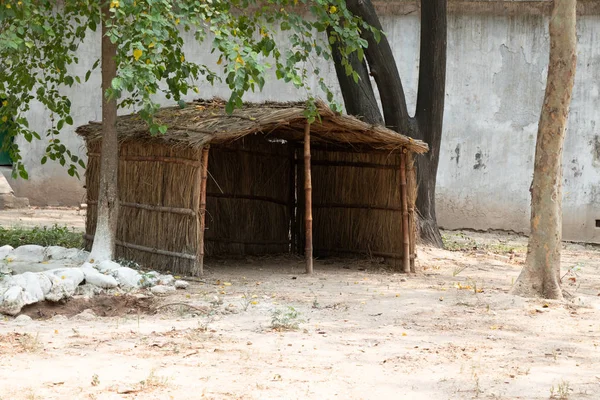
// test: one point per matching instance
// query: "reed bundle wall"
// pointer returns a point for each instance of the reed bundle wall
(157, 189)
(255, 201)
(248, 210)
(357, 206)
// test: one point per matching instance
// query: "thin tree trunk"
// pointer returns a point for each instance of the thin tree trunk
(541, 274)
(430, 112)
(108, 197)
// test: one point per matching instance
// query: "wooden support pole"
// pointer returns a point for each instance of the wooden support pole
(292, 197)
(308, 201)
(202, 209)
(404, 200)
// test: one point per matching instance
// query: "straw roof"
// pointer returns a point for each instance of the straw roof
(204, 122)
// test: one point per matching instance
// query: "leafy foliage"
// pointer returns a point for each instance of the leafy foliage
(39, 40)
(43, 236)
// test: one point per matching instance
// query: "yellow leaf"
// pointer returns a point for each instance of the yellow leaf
(56, 331)
(63, 277)
(114, 4)
(137, 53)
(240, 60)
(226, 283)
(4, 118)
(220, 60)
(177, 21)
(404, 334)
(254, 302)
(333, 9)
(182, 58)
(4, 103)
(151, 45)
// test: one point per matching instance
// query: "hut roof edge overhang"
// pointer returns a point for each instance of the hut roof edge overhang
(204, 122)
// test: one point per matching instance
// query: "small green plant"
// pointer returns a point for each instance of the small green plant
(95, 380)
(285, 319)
(561, 392)
(458, 269)
(247, 301)
(128, 263)
(44, 236)
(30, 343)
(154, 381)
(316, 304)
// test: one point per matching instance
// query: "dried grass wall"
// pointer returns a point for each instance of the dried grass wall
(357, 207)
(248, 198)
(154, 175)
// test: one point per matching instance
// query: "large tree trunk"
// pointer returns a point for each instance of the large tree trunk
(108, 198)
(430, 112)
(427, 124)
(541, 274)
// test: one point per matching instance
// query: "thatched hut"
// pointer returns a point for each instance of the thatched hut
(270, 174)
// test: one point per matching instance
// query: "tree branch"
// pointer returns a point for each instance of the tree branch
(384, 70)
(359, 97)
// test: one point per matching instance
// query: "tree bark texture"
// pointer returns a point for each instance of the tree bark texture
(359, 97)
(383, 68)
(108, 196)
(541, 275)
(427, 123)
(430, 112)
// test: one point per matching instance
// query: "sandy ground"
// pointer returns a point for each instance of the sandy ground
(451, 331)
(33, 216)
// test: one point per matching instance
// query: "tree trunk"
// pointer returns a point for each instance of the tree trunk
(108, 197)
(427, 124)
(383, 68)
(541, 274)
(430, 112)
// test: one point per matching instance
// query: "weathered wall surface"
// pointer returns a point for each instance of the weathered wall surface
(497, 57)
(495, 89)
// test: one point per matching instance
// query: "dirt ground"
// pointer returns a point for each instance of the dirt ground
(356, 331)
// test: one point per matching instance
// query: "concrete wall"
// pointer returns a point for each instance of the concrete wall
(496, 79)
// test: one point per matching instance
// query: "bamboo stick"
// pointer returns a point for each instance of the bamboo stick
(248, 197)
(351, 164)
(292, 197)
(248, 151)
(256, 243)
(202, 210)
(308, 201)
(147, 249)
(356, 206)
(404, 201)
(173, 160)
(172, 210)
